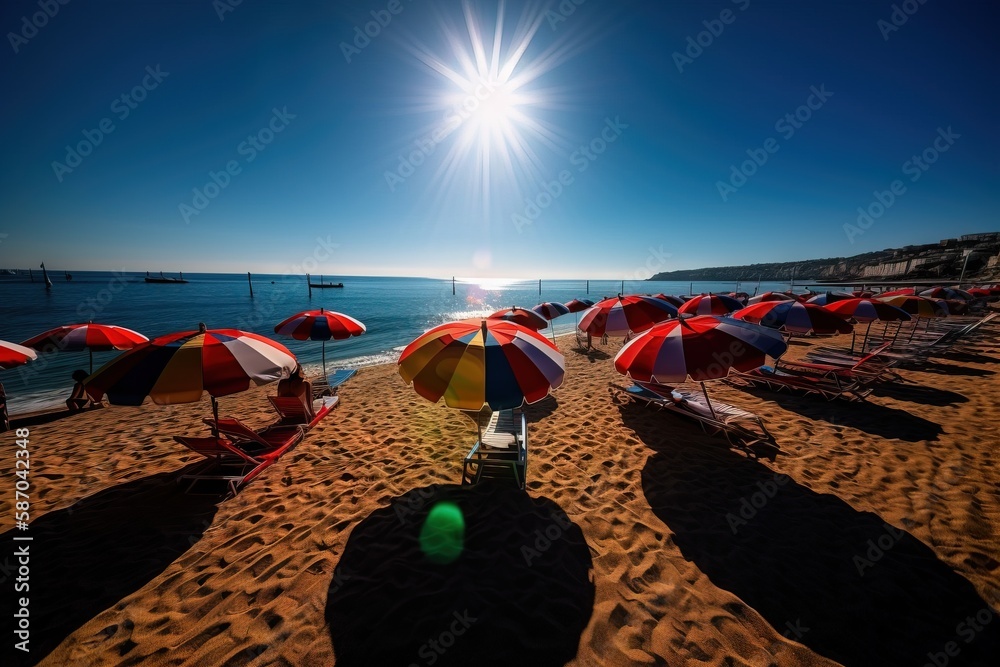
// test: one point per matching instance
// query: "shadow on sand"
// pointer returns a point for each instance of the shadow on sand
(87, 557)
(840, 581)
(915, 393)
(520, 592)
(542, 409)
(880, 420)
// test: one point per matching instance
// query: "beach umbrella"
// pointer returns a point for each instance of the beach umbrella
(89, 336)
(321, 325)
(550, 310)
(770, 296)
(948, 293)
(701, 348)
(952, 306)
(578, 305)
(475, 363)
(826, 298)
(863, 293)
(180, 367)
(522, 316)
(904, 291)
(794, 317)
(617, 316)
(675, 301)
(867, 310)
(710, 304)
(12, 354)
(916, 306)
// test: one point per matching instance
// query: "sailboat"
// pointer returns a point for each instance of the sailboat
(45, 277)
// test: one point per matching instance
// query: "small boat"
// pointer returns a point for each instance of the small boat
(69, 276)
(45, 276)
(322, 285)
(164, 279)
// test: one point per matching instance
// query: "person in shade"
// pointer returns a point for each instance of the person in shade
(4, 419)
(79, 399)
(298, 386)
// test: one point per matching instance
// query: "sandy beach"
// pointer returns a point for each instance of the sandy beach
(871, 539)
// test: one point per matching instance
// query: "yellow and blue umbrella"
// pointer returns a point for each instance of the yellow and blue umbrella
(473, 363)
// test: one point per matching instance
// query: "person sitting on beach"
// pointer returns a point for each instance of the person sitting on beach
(4, 419)
(297, 385)
(79, 399)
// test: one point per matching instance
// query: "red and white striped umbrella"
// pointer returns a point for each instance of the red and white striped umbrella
(522, 316)
(579, 305)
(12, 354)
(770, 296)
(701, 348)
(710, 304)
(794, 317)
(550, 310)
(867, 310)
(91, 337)
(675, 301)
(948, 293)
(619, 315)
(321, 325)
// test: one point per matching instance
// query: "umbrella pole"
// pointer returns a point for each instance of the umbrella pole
(864, 343)
(215, 414)
(324, 360)
(707, 400)
(853, 334)
(91, 350)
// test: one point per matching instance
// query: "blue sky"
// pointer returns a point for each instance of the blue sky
(606, 150)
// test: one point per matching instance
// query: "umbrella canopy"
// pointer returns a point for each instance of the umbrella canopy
(550, 310)
(473, 363)
(794, 317)
(831, 297)
(179, 367)
(578, 305)
(321, 325)
(672, 300)
(91, 337)
(619, 315)
(522, 316)
(710, 304)
(700, 348)
(904, 291)
(770, 296)
(12, 354)
(952, 306)
(868, 310)
(917, 306)
(949, 293)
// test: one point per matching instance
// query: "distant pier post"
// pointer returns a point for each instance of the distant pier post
(453, 285)
(250, 282)
(691, 289)
(31, 275)
(309, 283)
(588, 287)
(539, 287)
(623, 287)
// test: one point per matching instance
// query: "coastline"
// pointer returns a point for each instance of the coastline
(251, 578)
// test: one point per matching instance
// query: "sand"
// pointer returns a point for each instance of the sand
(871, 539)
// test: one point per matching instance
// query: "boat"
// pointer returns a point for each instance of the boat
(322, 285)
(69, 276)
(164, 279)
(45, 276)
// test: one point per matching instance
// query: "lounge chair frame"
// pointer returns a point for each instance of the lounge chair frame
(501, 450)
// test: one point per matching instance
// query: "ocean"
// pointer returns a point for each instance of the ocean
(394, 310)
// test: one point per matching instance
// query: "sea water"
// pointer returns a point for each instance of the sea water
(394, 310)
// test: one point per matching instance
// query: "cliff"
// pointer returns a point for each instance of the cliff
(980, 253)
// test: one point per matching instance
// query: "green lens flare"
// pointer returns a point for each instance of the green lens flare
(442, 537)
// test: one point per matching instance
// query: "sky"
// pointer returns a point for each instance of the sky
(573, 139)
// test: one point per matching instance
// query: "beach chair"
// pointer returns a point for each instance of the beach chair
(329, 385)
(742, 429)
(830, 388)
(292, 412)
(501, 451)
(869, 369)
(237, 454)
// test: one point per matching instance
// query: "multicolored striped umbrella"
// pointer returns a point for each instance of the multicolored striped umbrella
(473, 363)
(321, 325)
(89, 336)
(620, 315)
(948, 293)
(794, 317)
(917, 306)
(550, 310)
(675, 301)
(701, 348)
(710, 304)
(867, 310)
(770, 296)
(522, 316)
(12, 354)
(578, 305)
(180, 367)
(827, 298)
